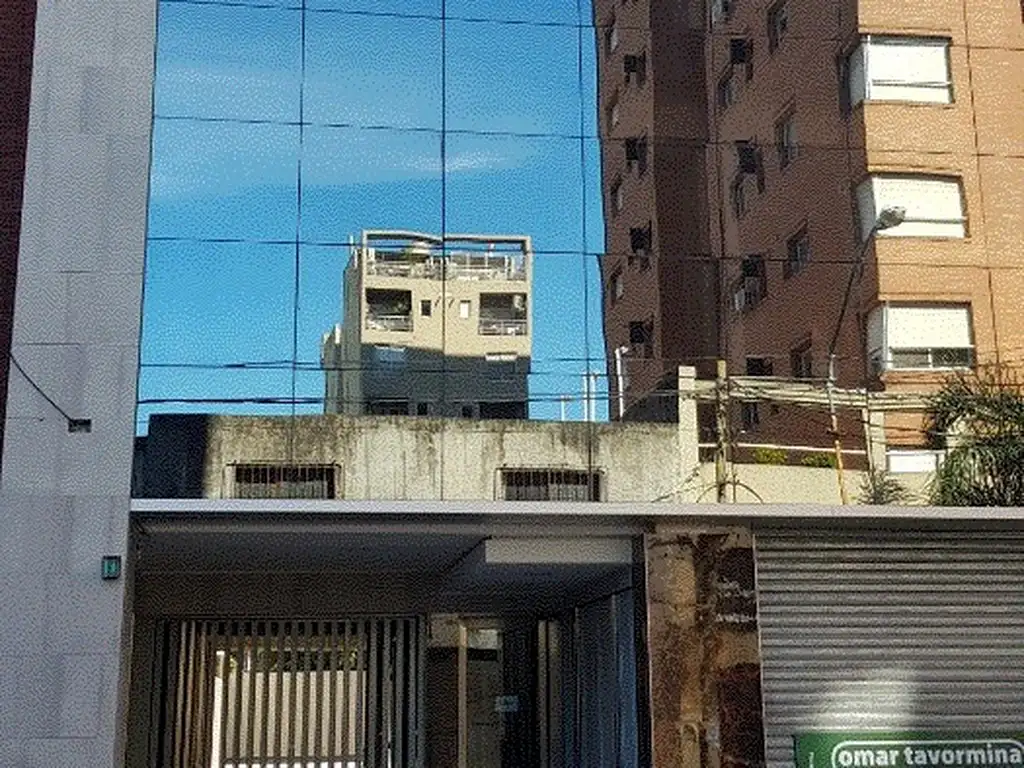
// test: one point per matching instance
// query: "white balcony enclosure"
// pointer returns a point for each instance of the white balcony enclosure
(934, 205)
(884, 68)
(920, 337)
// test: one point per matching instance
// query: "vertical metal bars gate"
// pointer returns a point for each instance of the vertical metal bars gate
(291, 693)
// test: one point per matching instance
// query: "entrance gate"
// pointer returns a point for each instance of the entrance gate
(290, 693)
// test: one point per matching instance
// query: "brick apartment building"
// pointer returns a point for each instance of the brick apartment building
(819, 116)
(660, 307)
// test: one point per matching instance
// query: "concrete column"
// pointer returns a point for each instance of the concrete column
(874, 427)
(674, 651)
(64, 497)
(689, 455)
(701, 628)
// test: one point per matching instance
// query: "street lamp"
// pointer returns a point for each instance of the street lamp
(887, 219)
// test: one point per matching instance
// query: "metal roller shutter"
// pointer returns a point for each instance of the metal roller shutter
(893, 630)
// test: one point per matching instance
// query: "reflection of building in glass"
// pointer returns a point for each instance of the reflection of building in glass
(432, 327)
(731, 130)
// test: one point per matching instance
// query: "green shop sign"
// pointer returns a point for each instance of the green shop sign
(909, 750)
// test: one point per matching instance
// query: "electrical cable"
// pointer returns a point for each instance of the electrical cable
(53, 404)
(506, 21)
(659, 139)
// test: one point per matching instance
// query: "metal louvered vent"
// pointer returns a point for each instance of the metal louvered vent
(334, 694)
(550, 485)
(889, 630)
(285, 481)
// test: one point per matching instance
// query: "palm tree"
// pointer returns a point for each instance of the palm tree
(979, 417)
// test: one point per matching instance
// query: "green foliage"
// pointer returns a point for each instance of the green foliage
(979, 417)
(769, 456)
(819, 460)
(879, 487)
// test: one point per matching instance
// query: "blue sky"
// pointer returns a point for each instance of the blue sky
(226, 149)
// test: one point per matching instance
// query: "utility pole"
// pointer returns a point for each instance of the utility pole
(721, 429)
(837, 445)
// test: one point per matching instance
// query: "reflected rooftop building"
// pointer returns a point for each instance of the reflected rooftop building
(432, 326)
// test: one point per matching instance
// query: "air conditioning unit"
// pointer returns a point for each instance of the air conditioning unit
(721, 9)
(739, 300)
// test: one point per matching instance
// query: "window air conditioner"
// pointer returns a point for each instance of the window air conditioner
(739, 300)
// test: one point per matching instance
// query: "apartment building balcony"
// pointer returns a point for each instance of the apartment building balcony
(388, 322)
(496, 327)
(502, 314)
(388, 310)
(424, 264)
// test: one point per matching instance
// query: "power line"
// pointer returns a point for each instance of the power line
(719, 32)
(671, 256)
(653, 138)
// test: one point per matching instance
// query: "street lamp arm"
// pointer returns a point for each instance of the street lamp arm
(855, 270)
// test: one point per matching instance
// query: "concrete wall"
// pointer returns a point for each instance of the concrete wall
(408, 458)
(774, 484)
(64, 497)
(391, 458)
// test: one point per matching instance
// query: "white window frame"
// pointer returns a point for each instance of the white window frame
(918, 222)
(880, 351)
(868, 88)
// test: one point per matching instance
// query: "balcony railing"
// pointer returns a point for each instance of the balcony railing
(389, 322)
(496, 327)
(460, 266)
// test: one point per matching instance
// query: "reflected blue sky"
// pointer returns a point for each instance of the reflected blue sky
(226, 147)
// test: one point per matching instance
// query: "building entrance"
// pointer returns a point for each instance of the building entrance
(436, 691)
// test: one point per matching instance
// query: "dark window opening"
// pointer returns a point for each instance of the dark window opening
(278, 481)
(759, 366)
(641, 240)
(388, 407)
(550, 485)
(778, 24)
(746, 155)
(426, 307)
(422, 409)
(636, 154)
(467, 411)
(505, 410)
(502, 314)
(641, 337)
(634, 66)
